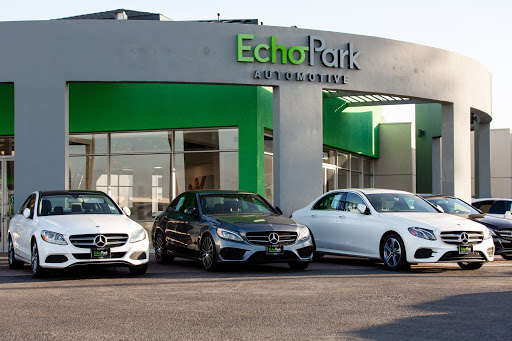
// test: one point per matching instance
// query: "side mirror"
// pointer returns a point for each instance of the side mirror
(363, 209)
(279, 210)
(439, 208)
(26, 213)
(508, 215)
(191, 211)
(127, 211)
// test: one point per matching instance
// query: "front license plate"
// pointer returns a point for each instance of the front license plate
(465, 249)
(100, 253)
(275, 250)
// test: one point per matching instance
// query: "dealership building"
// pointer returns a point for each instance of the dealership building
(144, 108)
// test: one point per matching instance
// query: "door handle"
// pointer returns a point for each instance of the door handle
(180, 217)
(313, 216)
(342, 217)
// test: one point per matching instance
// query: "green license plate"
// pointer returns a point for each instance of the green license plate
(465, 249)
(275, 250)
(100, 253)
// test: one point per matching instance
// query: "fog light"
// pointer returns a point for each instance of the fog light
(490, 251)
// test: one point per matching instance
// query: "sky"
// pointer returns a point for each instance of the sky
(481, 30)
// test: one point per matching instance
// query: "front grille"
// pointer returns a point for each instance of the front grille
(505, 234)
(261, 256)
(453, 237)
(261, 238)
(86, 241)
(454, 256)
(88, 255)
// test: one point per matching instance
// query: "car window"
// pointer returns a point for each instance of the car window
(331, 201)
(352, 201)
(453, 206)
(179, 204)
(76, 203)
(173, 204)
(224, 203)
(484, 206)
(399, 202)
(190, 201)
(25, 204)
(29, 203)
(500, 207)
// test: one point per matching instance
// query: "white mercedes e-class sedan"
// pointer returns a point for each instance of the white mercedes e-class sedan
(60, 229)
(397, 227)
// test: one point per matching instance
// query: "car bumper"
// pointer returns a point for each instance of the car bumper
(425, 251)
(503, 246)
(235, 252)
(53, 256)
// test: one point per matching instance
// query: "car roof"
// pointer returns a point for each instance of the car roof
(376, 191)
(63, 192)
(440, 197)
(484, 199)
(203, 191)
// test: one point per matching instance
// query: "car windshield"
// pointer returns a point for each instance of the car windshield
(62, 204)
(454, 206)
(234, 203)
(398, 202)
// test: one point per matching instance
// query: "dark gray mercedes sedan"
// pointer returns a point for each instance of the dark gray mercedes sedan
(229, 227)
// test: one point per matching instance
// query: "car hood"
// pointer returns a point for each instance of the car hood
(252, 221)
(440, 221)
(88, 224)
(489, 221)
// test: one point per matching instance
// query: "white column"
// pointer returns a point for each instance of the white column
(298, 142)
(456, 150)
(483, 161)
(41, 136)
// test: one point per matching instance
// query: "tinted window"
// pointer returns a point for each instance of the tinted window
(234, 203)
(190, 201)
(500, 207)
(331, 201)
(484, 206)
(398, 202)
(352, 201)
(454, 206)
(25, 204)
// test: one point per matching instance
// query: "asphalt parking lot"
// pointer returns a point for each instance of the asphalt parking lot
(335, 299)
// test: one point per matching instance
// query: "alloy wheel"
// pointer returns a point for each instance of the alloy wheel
(159, 252)
(392, 252)
(208, 253)
(34, 259)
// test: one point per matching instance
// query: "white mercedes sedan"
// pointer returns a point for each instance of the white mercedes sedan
(60, 229)
(397, 227)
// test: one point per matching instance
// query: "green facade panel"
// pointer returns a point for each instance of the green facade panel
(7, 109)
(428, 119)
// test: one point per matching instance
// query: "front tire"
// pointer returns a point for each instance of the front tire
(470, 265)
(393, 253)
(298, 266)
(37, 270)
(138, 269)
(13, 262)
(209, 254)
(161, 255)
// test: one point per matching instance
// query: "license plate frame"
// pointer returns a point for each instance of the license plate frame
(100, 253)
(465, 249)
(274, 250)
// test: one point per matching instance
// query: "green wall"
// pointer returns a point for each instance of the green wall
(428, 118)
(6, 109)
(95, 107)
(354, 129)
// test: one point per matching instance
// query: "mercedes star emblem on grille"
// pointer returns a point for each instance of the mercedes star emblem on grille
(273, 238)
(100, 240)
(464, 238)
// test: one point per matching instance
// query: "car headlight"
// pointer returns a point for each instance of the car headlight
(488, 233)
(304, 233)
(53, 237)
(138, 235)
(422, 233)
(229, 235)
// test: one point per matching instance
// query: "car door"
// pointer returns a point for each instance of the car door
(25, 228)
(323, 219)
(355, 229)
(186, 231)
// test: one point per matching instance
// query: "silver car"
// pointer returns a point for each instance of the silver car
(229, 227)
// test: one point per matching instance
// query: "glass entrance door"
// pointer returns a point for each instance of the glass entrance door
(6, 198)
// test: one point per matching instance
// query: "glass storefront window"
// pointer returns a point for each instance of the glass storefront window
(207, 139)
(329, 156)
(355, 163)
(84, 144)
(355, 180)
(367, 166)
(141, 182)
(88, 173)
(7, 145)
(343, 178)
(139, 142)
(343, 160)
(217, 170)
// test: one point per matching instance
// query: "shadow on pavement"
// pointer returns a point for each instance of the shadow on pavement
(480, 316)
